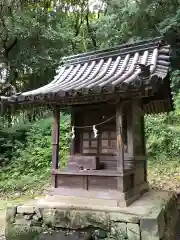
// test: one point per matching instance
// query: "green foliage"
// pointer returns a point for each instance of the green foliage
(37, 34)
(31, 155)
(9, 139)
(163, 133)
(127, 20)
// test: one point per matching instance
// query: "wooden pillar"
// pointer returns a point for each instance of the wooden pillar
(130, 129)
(55, 144)
(119, 137)
(72, 145)
(139, 143)
(144, 147)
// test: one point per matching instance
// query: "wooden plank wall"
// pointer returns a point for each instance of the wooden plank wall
(95, 182)
(104, 145)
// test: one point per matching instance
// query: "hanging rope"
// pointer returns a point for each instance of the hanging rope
(95, 131)
(98, 124)
(73, 133)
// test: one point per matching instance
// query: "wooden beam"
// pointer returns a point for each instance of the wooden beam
(119, 137)
(96, 89)
(124, 86)
(55, 143)
(110, 88)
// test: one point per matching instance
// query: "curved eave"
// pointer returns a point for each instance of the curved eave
(112, 71)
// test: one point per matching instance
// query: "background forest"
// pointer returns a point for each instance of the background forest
(35, 35)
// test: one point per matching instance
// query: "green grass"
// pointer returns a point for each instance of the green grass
(27, 170)
(29, 185)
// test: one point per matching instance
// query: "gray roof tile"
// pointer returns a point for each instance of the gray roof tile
(115, 68)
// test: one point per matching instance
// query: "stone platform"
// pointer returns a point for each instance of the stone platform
(152, 217)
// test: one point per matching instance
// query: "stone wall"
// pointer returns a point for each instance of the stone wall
(30, 223)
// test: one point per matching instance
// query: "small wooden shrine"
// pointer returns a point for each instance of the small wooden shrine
(108, 93)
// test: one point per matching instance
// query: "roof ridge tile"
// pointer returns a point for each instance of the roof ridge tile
(108, 52)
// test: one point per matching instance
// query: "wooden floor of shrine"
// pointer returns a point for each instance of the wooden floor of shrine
(101, 172)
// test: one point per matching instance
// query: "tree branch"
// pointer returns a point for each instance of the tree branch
(90, 31)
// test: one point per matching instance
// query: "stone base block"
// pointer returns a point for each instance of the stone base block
(153, 216)
(108, 198)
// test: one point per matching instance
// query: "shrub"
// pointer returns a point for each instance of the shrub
(31, 153)
(163, 133)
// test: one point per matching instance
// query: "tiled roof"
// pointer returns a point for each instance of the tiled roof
(128, 66)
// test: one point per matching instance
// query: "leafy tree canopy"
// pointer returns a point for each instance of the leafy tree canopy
(34, 35)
